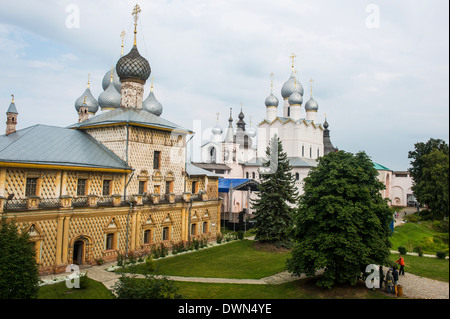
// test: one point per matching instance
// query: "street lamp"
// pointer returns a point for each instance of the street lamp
(418, 212)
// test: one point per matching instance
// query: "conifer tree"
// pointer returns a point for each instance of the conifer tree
(277, 193)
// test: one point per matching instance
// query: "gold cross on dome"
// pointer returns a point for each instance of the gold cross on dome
(311, 81)
(12, 95)
(122, 35)
(293, 56)
(135, 13)
(271, 80)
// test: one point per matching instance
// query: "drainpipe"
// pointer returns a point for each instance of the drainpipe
(129, 213)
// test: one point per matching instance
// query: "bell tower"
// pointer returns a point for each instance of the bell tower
(11, 116)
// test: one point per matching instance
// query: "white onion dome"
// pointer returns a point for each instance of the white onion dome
(107, 80)
(217, 130)
(295, 98)
(292, 85)
(311, 105)
(91, 102)
(271, 100)
(251, 132)
(152, 105)
(110, 98)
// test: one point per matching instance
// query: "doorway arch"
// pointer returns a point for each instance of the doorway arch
(79, 248)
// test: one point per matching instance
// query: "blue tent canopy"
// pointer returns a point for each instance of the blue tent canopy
(236, 184)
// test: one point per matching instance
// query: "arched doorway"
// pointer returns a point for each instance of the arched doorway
(78, 252)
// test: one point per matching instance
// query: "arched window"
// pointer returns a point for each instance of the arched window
(303, 150)
(212, 154)
(297, 176)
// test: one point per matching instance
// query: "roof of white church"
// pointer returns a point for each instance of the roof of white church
(130, 115)
(57, 146)
(285, 120)
(193, 170)
(293, 161)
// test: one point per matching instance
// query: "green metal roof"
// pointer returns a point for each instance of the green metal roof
(381, 167)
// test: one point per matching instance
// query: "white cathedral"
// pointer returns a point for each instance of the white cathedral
(238, 154)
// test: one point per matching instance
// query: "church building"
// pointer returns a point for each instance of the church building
(115, 182)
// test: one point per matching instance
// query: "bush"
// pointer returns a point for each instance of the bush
(219, 238)
(402, 250)
(419, 250)
(148, 288)
(412, 218)
(441, 254)
(240, 235)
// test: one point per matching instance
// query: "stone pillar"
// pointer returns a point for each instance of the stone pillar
(65, 240)
(59, 240)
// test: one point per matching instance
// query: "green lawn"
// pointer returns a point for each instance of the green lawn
(300, 289)
(432, 268)
(411, 235)
(239, 259)
(93, 290)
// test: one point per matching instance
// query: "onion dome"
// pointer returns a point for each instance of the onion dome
(110, 98)
(251, 132)
(152, 105)
(107, 80)
(133, 67)
(325, 124)
(217, 130)
(271, 100)
(91, 102)
(311, 105)
(295, 98)
(292, 85)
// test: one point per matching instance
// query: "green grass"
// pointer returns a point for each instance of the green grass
(432, 268)
(93, 290)
(300, 289)
(410, 235)
(239, 259)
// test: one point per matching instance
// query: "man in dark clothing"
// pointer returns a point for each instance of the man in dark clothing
(395, 275)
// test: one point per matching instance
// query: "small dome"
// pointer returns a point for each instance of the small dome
(325, 124)
(107, 80)
(272, 100)
(217, 130)
(152, 105)
(311, 105)
(251, 132)
(110, 98)
(295, 98)
(292, 85)
(133, 66)
(91, 102)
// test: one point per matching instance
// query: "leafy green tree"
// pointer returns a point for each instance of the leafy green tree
(19, 273)
(273, 214)
(432, 188)
(429, 171)
(342, 223)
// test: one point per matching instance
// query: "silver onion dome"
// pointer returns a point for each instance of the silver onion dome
(91, 102)
(217, 130)
(311, 105)
(271, 100)
(133, 66)
(152, 105)
(292, 85)
(107, 80)
(295, 99)
(251, 132)
(110, 98)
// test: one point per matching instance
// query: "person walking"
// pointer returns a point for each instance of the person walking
(395, 277)
(389, 281)
(381, 275)
(401, 262)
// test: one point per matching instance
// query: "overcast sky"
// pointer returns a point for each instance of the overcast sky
(380, 67)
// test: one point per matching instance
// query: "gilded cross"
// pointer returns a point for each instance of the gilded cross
(293, 56)
(122, 35)
(89, 80)
(135, 13)
(271, 80)
(311, 81)
(12, 95)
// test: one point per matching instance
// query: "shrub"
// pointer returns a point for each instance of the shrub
(412, 218)
(441, 254)
(120, 260)
(148, 288)
(402, 250)
(419, 250)
(219, 238)
(240, 235)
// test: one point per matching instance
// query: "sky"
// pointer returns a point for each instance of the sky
(380, 68)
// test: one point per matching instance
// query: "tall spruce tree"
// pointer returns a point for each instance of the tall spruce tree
(273, 214)
(342, 223)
